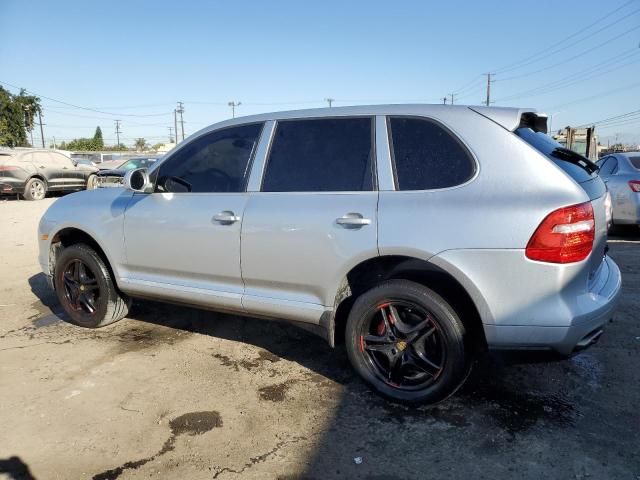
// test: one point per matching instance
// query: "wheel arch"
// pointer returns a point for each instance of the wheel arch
(71, 235)
(438, 277)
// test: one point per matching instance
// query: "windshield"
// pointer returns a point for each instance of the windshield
(137, 163)
(578, 167)
(635, 161)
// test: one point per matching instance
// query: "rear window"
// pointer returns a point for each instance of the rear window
(635, 161)
(546, 145)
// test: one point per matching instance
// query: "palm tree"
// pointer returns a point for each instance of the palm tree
(140, 144)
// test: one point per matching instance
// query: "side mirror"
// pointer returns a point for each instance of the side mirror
(138, 181)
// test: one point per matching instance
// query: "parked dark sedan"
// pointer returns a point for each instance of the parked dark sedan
(113, 177)
(33, 173)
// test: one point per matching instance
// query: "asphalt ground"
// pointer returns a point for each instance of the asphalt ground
(173, 392)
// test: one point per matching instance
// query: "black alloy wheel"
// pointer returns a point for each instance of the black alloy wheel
(403, 346)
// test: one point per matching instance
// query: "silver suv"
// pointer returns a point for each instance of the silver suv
(417, 234)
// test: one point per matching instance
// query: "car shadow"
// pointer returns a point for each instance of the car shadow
(279, 337)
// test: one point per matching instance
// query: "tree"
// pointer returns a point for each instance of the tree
(140, 144)
(97, 139)
(17, 117)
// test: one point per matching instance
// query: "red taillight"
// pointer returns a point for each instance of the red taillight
(635, 185)
(564, 236)
(8, 168)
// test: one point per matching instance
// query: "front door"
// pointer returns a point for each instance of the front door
(313, 219)
(182, 242)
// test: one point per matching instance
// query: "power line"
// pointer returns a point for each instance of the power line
(573, 79)
(84, 108)
(553, 48)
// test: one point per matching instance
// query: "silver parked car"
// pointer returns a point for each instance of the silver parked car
(621, 173)
(417, 234)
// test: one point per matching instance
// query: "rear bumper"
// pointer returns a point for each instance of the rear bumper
(11, 186)
(588, 314)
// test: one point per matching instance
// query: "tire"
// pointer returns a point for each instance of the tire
(86, 289)
(431, 363)
(35, 189)
(92, 182)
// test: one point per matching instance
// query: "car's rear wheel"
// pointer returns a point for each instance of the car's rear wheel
(92, 182)
(35, 189)
(407, 342)
(85, 288)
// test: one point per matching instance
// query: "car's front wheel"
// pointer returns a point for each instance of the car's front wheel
(86, 289)
(407, 343)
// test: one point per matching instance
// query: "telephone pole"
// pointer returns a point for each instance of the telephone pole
(233, 106)
(41, 131)
(180, 110)
(444, 100)
(452, 95)
(118, 132)
(488, 88)
(330, 101)
(175, 123)
(170, 135)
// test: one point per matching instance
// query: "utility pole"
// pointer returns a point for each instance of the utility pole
(175, 123)
(41, 131)
(444, 100)
(118, 132)
(330, 101)
(180, 110)
(170, 135)
(452, 95)
(488, 88)
(233, 106)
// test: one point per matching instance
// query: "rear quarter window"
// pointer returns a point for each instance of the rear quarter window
(635, 161)
(426, 155)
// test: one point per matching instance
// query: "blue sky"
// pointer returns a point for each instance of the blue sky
(136, 59)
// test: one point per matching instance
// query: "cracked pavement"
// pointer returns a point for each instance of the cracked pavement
(175, 392)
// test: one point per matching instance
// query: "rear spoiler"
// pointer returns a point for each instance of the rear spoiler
(535, 121)
(514, 118)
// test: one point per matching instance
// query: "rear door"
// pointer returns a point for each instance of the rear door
(312, 219)
(50, 168)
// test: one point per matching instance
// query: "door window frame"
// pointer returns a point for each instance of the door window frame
(155, 172)
(268, 144)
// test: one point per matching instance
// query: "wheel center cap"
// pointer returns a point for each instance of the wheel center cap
(401, 345)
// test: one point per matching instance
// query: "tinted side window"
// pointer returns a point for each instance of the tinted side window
(635, 161)
(427, 156)
(330, 155)
(216, 162)
(609, 166)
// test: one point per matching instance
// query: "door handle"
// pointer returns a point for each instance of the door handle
(226, 217)
(42, 166)
(353, 220)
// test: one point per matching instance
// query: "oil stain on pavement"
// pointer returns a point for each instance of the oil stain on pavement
(193, 423)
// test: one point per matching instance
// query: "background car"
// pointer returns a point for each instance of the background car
(33, 173)
(621, 173)
(113, 177)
